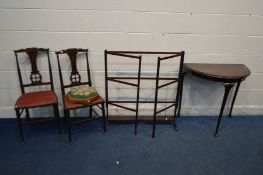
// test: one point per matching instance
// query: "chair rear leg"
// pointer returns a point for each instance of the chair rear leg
(27, 115)
(20, 126)
(90, 112)
(68, 122)
(104, 117)
(57, 116)
(65, 118)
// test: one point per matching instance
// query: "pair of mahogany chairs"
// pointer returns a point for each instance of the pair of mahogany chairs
(42, 98)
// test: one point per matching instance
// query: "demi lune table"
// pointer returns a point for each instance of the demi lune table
(229, 74)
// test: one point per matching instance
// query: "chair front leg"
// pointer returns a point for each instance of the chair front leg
(68, 122)
(20, 126)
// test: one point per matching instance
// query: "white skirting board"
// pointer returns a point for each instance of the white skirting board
(8, 112)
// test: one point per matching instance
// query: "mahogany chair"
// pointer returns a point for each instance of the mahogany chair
(75, 80)
(34, 99)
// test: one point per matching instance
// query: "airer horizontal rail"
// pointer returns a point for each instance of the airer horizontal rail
(141, 101)
(141, 52)
(120, 106)
(142, 78)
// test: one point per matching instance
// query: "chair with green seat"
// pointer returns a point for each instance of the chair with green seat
(76, 82)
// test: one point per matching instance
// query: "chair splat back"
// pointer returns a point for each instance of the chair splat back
(35, 75)
(75, 77)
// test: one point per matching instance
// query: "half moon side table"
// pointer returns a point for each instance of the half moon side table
(229, 74)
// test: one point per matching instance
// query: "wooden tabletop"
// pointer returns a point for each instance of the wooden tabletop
(218, 72)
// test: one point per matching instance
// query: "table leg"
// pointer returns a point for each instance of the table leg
(228, 87)
(234, 98)
(180, 94)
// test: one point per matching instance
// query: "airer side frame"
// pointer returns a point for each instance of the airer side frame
(138, 55)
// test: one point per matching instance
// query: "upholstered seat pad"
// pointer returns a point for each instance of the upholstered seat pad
(36, 99)
(72, 105)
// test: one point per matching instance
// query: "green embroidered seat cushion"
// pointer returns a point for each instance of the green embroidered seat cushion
(82, 94)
